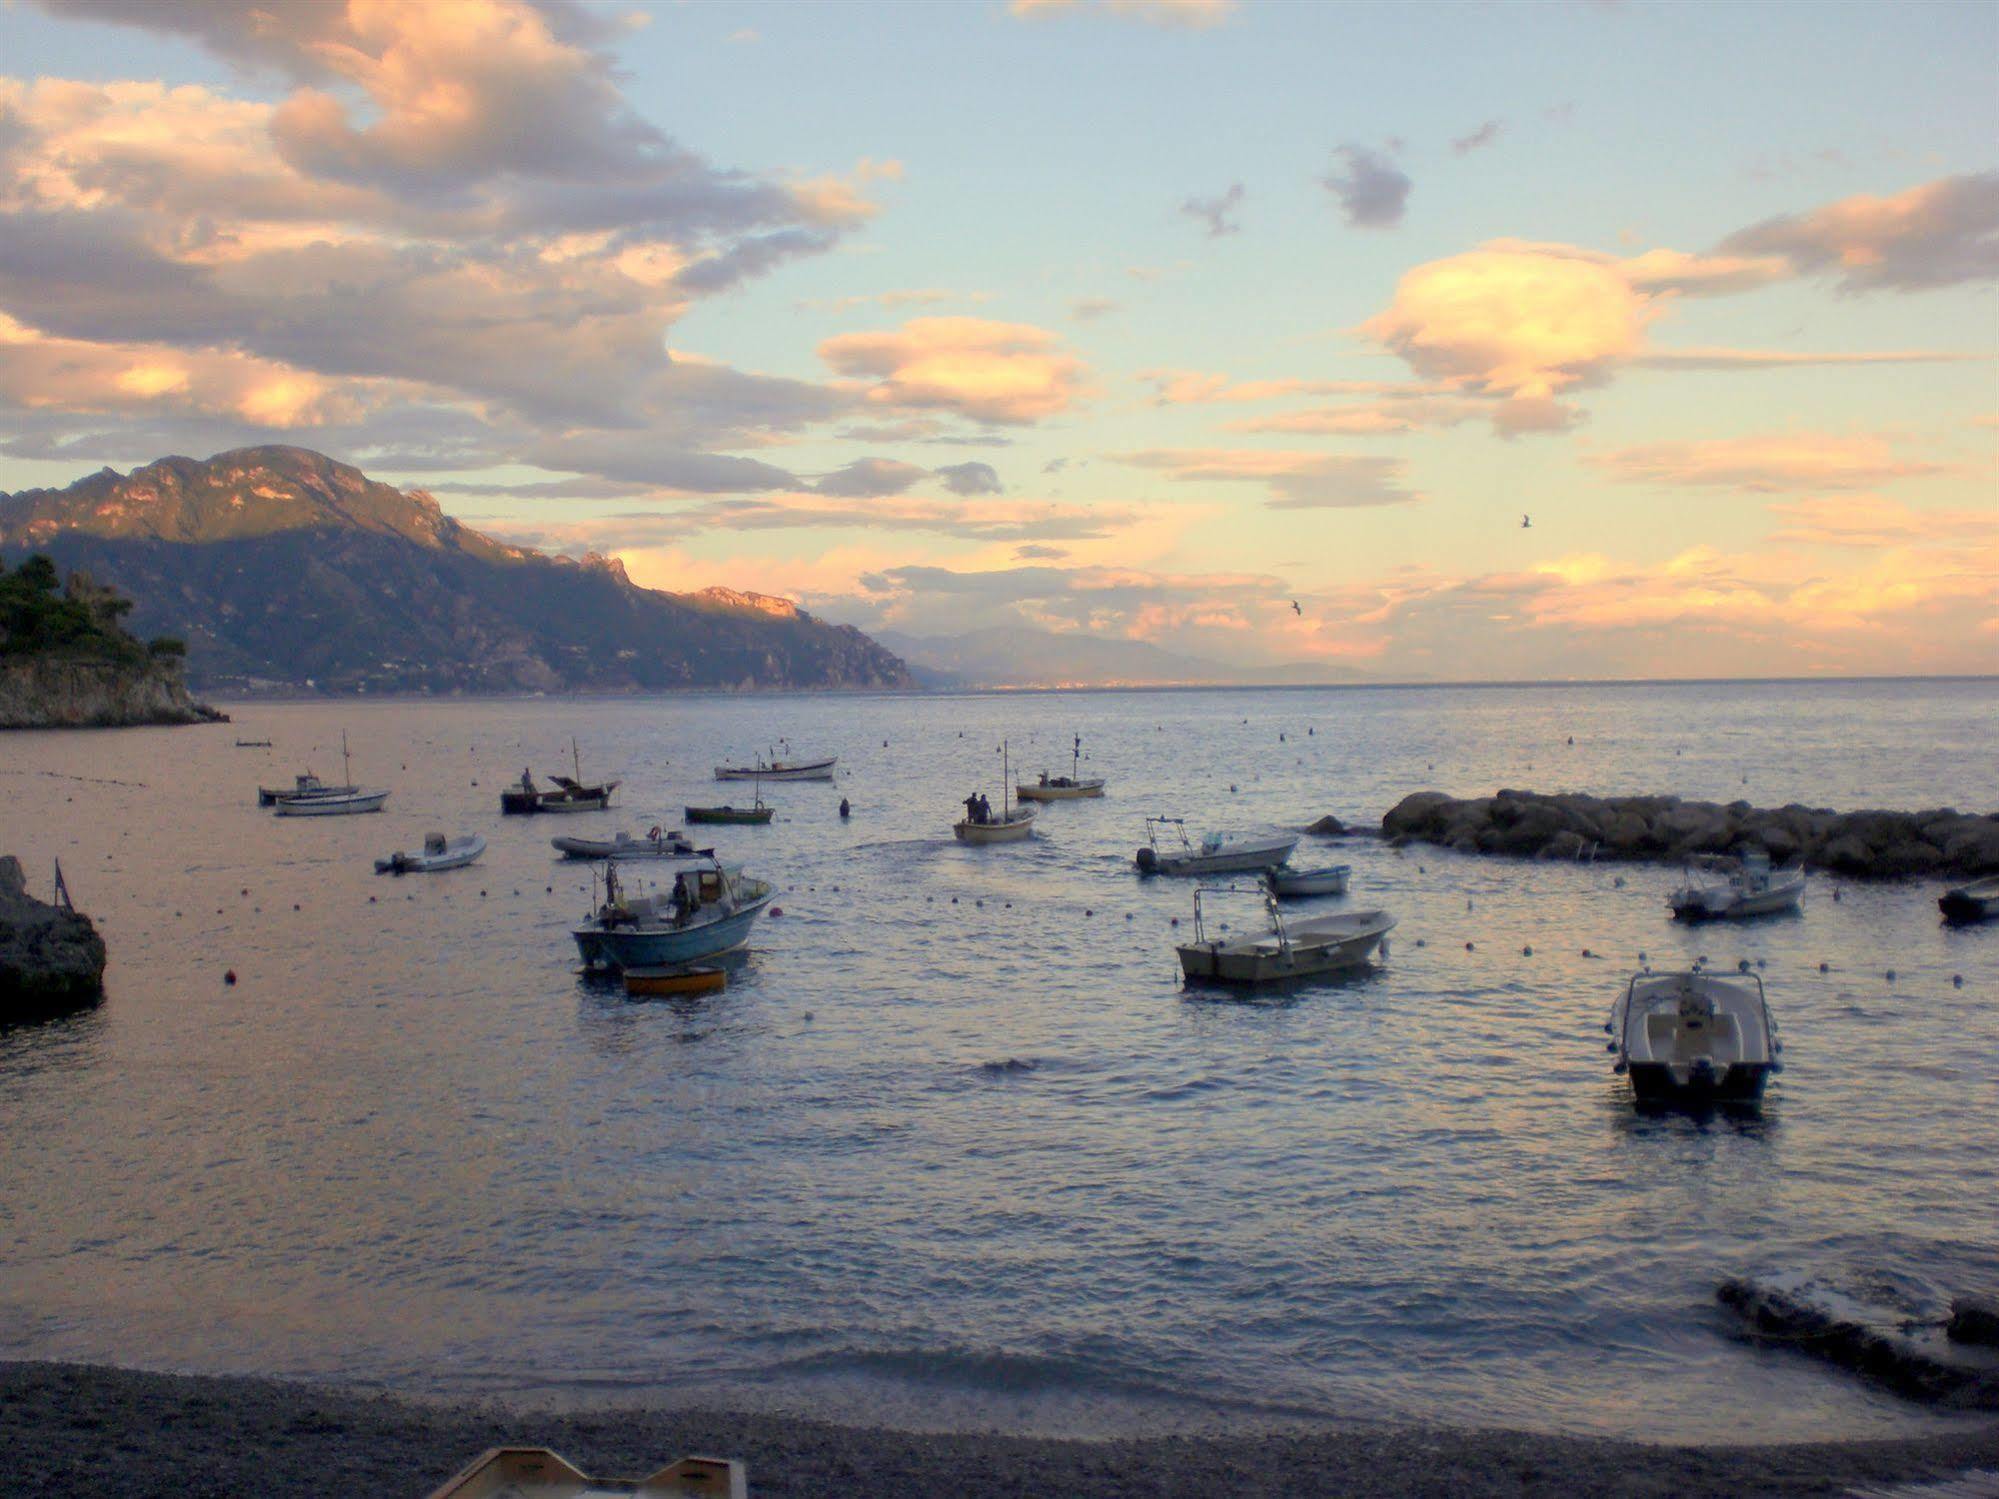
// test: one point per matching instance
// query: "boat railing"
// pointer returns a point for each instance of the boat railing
(1269, 905)
(1178, 824)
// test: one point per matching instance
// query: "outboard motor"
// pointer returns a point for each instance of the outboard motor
(1147, 860)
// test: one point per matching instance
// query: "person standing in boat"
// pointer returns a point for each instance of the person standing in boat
(527, 780)
(972, 808)
(985, 808)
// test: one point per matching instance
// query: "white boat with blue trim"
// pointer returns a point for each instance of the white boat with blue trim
(706, 909)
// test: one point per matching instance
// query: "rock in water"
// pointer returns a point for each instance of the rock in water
(1328, 826)
(1974, 1319)
(51, 959)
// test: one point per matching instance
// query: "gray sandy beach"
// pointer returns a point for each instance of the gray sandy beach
(70, 1431)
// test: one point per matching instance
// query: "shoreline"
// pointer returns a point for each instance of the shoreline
(76, 1430)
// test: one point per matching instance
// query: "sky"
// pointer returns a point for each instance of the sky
(1447, 342)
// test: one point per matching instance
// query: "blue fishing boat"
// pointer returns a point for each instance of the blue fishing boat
(706, 909)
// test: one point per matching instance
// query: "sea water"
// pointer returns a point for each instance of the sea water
(956, 1146)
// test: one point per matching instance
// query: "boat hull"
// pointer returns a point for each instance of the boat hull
(651, 982)
(451, 858)
(1742, 908)
(331, 806)
(1970, 903)
(666, 947)
(1225, 963)
(1268, 857)
(1657, 1083)
(994, 832)
(732, 816)
(1037, 793)
(1311, 881)
(636, 848)
(522, 803)
(270, 796)
(811, 770)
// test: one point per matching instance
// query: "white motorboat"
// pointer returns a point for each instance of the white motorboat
(706, 910)
(1072, 787)
(1329, 880)
(332, 801)
(978, 825)
(303, 788)
(1752, 888)
(658, 843)
(439, 852)
(1694, 1037)
(789, 767)
(1978, 901)
(1290, 949)
(1217, 853)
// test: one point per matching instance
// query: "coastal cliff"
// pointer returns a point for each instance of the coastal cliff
(66, 662)
(51, 958)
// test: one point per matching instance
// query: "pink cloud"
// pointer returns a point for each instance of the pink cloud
(1010, 373)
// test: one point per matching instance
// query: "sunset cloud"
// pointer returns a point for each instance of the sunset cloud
(1007, 373)
(1185, 15)
(1939, 234)
(1297, 481)
(1870, 522)
(1765, 464)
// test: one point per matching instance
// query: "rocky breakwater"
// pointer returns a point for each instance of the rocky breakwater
(1571, 825)
(51, 958)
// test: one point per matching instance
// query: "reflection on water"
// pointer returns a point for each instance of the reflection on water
(956, 1144)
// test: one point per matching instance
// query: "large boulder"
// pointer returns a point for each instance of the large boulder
(1973, 849)
(51, 958)
(1328, 826)
(1525, 827)
(1625, 832)
(1847, 855)
(1414, 815)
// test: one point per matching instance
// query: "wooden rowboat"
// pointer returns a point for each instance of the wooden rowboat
(507, 1472)
(649, 982)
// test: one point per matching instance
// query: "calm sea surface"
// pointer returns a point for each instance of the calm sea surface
(956, 1146)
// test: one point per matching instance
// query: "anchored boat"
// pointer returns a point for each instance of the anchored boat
(1072, 787)
(303, 788)
(1752, 888)
(775, 769)
(658, 843)
(1290, 949)
(1218, 853)
(1978, 901)
(754, 815)
(647, 983)
(978, 825)
(566, 794)
(707, 909)
(439, 852)
(332, 801)
(1694, 1037)
(1329, 880)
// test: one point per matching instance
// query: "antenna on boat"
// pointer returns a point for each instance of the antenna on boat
(576, 759)
(346, 767)
(1076, 760)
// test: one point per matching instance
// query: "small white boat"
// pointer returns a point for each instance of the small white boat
(331, 806)
(658, 843)
(439, 852)
(1329, 880)
(978, 825)
(303, 788)
(1290, 949)
(1218, 853)
(708, 909)
(1072, 787)
(1752, 888)
(332, 801)
(776, 769)
(1694, 1037)
(1978, 901)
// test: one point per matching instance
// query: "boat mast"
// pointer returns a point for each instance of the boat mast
(1006, 785)
(576, 759)
(346, 767)
(1076, 760)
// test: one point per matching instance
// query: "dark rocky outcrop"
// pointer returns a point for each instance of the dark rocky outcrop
(1787, 1319)
(1328, 826)
(1974, 1319)
(283, 569)
(51, 958)
(1571, 825)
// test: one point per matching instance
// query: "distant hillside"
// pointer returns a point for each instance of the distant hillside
(281, 567)
(1003, 657)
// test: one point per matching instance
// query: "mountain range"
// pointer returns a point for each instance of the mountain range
(1021, 657)
(281, 567)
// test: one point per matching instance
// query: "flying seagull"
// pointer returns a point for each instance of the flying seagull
(1526, 523)
(1296, 610)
